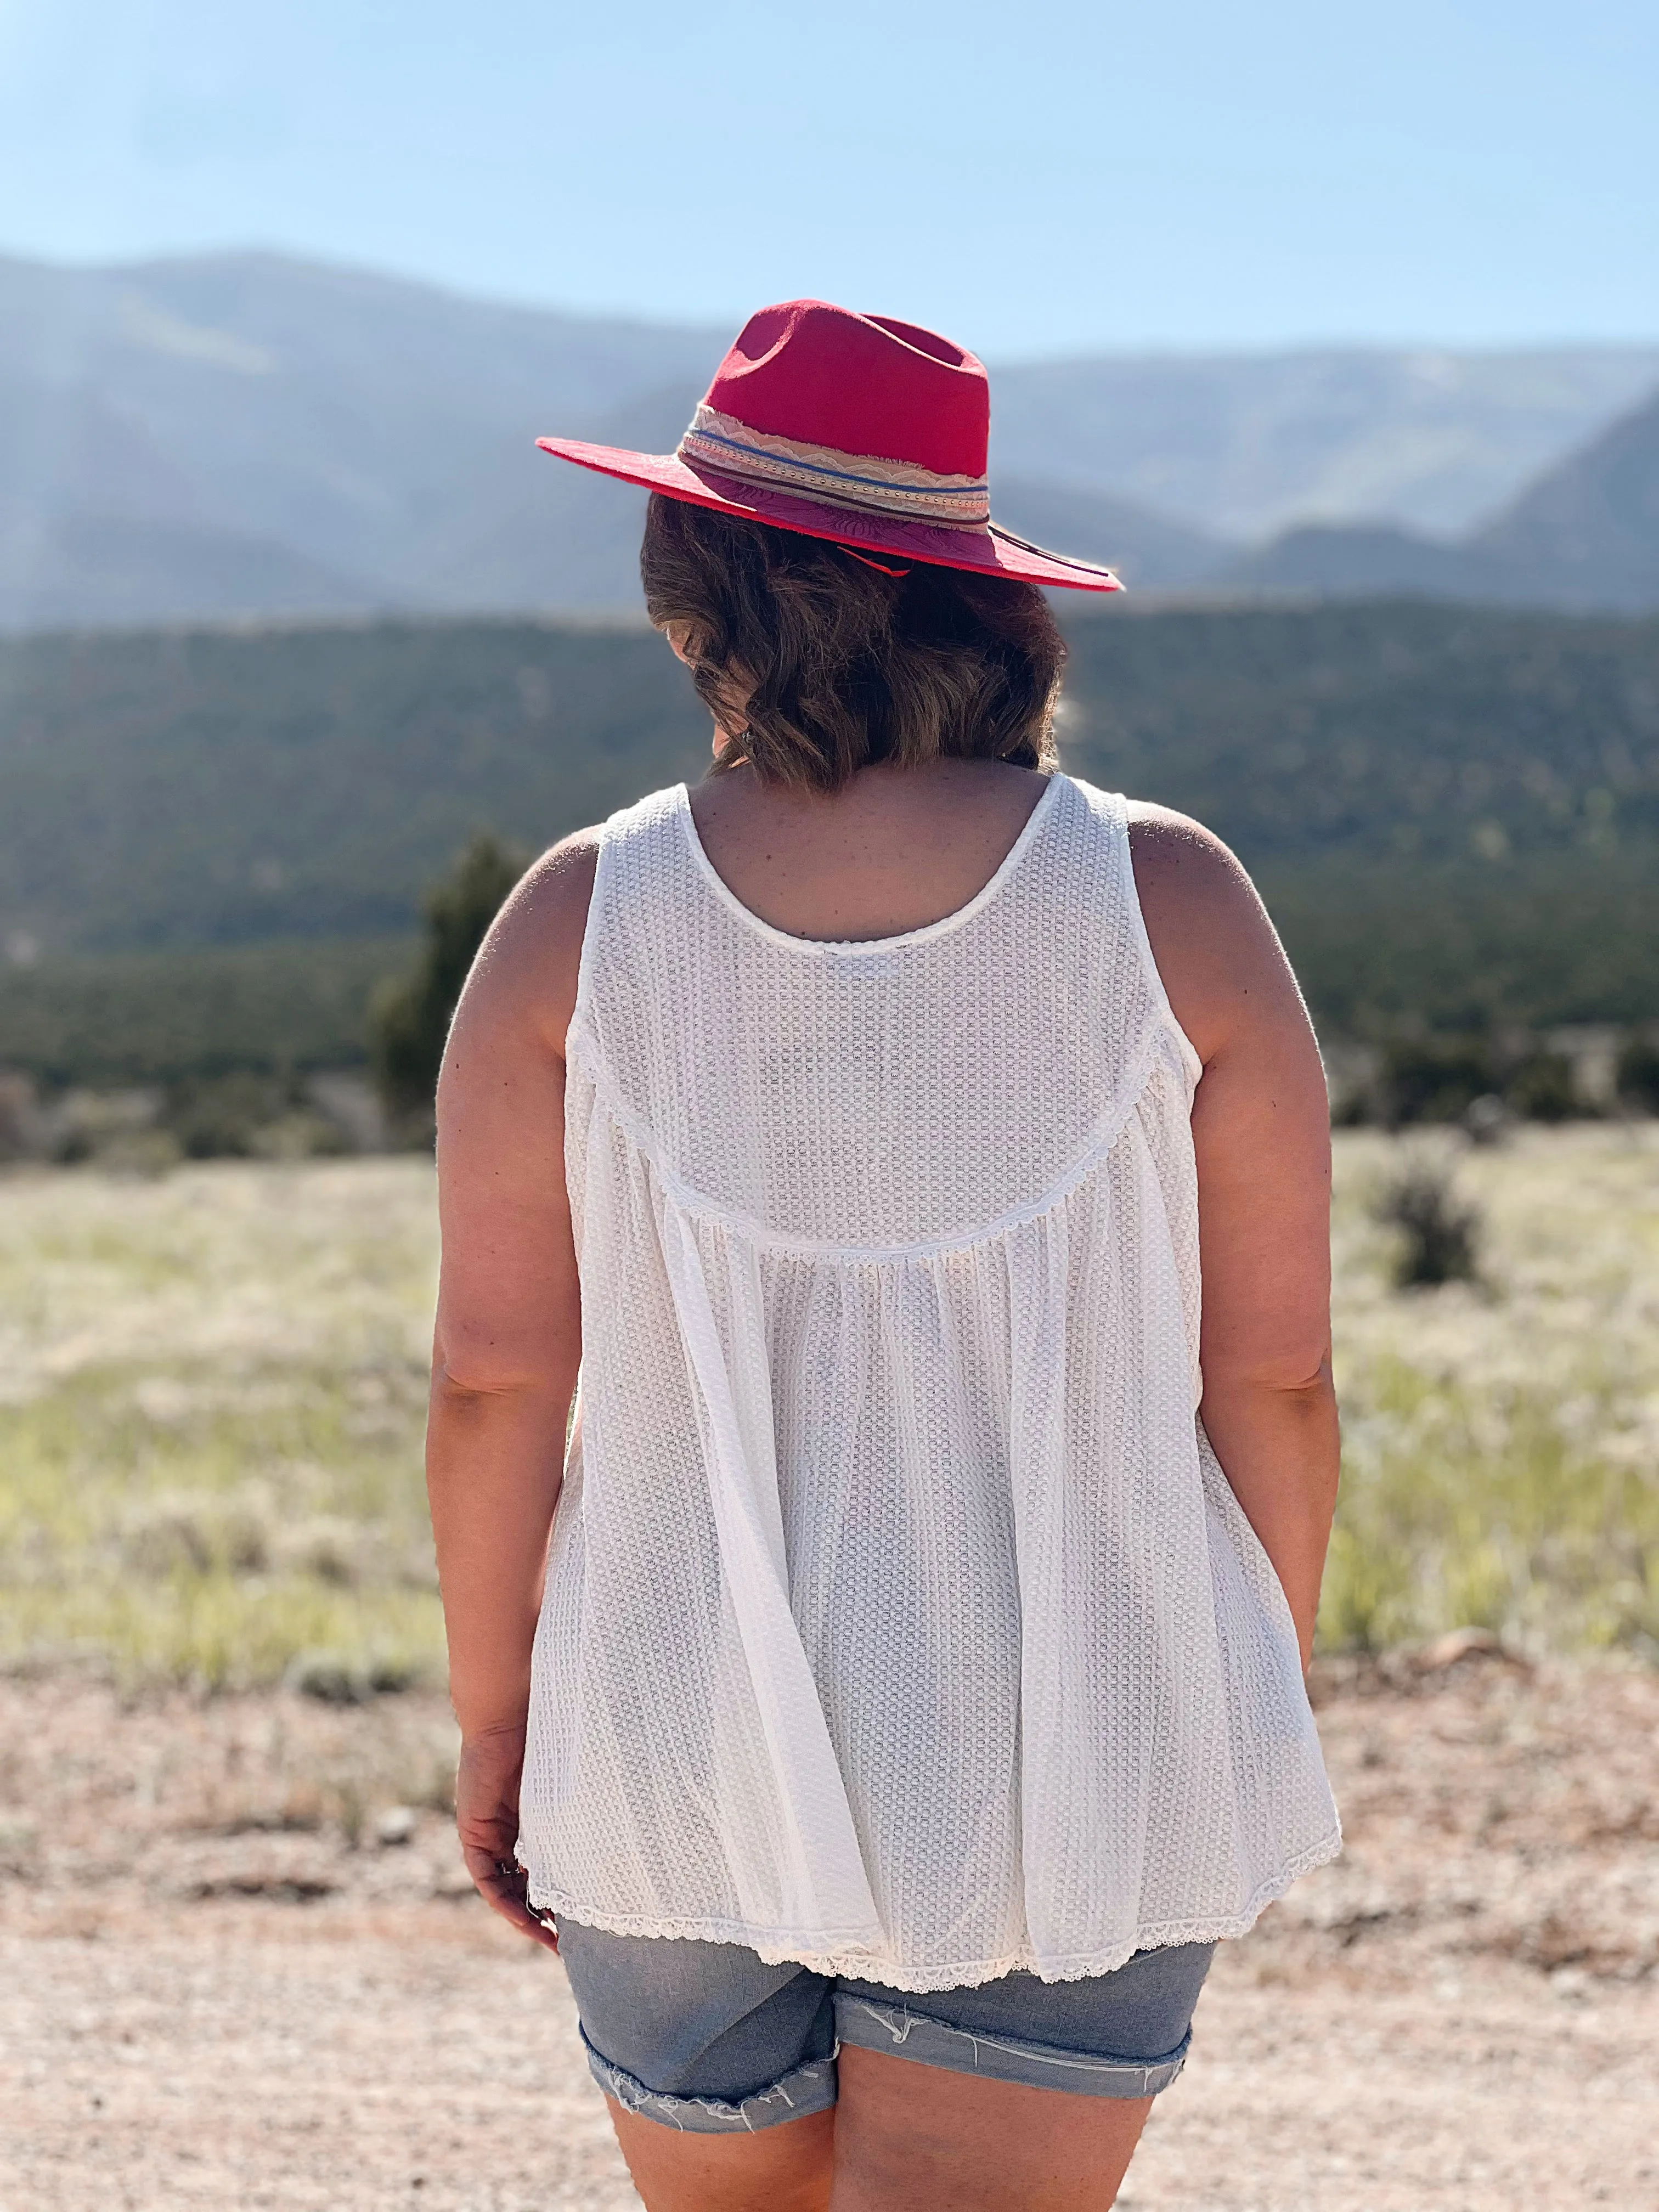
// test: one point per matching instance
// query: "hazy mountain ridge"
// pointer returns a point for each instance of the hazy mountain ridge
(1595, 520)
(374, 429)
(1584, 539)
(244, 435)
(1245, 446)
(1144, 548)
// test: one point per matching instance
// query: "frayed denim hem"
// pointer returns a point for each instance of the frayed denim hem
(807, 2088)
(929, 2042)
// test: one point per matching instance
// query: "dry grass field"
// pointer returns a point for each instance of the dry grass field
(212, 1386)
(1501, 1436)
(242, 1968)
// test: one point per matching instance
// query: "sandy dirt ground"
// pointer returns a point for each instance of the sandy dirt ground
(238, 1967)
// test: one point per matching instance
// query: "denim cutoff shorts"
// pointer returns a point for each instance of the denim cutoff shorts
(707, 2038)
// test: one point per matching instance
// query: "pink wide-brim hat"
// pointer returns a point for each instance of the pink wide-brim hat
(857, 429)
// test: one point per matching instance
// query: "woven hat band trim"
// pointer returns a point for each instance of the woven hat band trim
(868, 482)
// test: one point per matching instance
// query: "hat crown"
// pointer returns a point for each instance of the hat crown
(820, 375)
(867, 432)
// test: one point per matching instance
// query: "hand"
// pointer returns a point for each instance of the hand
(487, 1822)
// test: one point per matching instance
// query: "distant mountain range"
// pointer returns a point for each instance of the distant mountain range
(242, 435)
(1585, 537)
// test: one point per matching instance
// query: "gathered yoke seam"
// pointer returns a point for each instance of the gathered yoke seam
(582, 1045)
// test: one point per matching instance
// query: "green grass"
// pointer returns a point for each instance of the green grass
(211, 1453)
(1501, 1439)
(212, 1390)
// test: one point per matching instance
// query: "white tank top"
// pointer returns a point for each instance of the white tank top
(899, 1620)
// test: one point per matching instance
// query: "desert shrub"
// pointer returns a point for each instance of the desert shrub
(1436, 1232)
(1441, 1077)
(1638, 1074)
(1489, 1121)
(1541, 1088)
(245, 1115)
(412, 1017)
(196, 1533)
(335, 1678)
(1435, 1078)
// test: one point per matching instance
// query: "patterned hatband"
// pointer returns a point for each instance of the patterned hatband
(874, 486)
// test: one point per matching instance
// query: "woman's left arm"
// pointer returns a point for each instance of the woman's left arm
(1262, 1135)
(507, 1342)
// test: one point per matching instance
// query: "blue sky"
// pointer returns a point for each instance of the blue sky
(1033, 179)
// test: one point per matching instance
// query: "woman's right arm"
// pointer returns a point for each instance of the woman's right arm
(1261, 1136)
(508, 1341)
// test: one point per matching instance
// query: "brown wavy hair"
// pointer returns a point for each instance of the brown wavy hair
(834, 664)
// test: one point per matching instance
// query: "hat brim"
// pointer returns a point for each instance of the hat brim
(989, 552)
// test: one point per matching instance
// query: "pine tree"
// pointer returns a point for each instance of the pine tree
(411, 1016)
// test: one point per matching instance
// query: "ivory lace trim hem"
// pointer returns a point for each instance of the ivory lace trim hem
(580, 1045)
(777, 1947)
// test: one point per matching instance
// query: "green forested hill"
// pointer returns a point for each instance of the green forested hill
(1396, 730)
(216, 788)
(1455, 815)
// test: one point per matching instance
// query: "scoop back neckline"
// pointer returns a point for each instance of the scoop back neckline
(866, 945)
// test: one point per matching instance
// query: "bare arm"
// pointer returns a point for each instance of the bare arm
(1261, 1133)
(509, 1339)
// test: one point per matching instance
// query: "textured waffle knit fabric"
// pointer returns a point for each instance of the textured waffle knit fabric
(899, 1620)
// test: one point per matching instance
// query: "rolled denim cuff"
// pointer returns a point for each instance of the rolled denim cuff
(930, 2042)
(807, 2088)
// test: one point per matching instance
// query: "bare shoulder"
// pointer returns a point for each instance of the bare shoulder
(1174, 856)
(526, 969)
(1219, 955)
